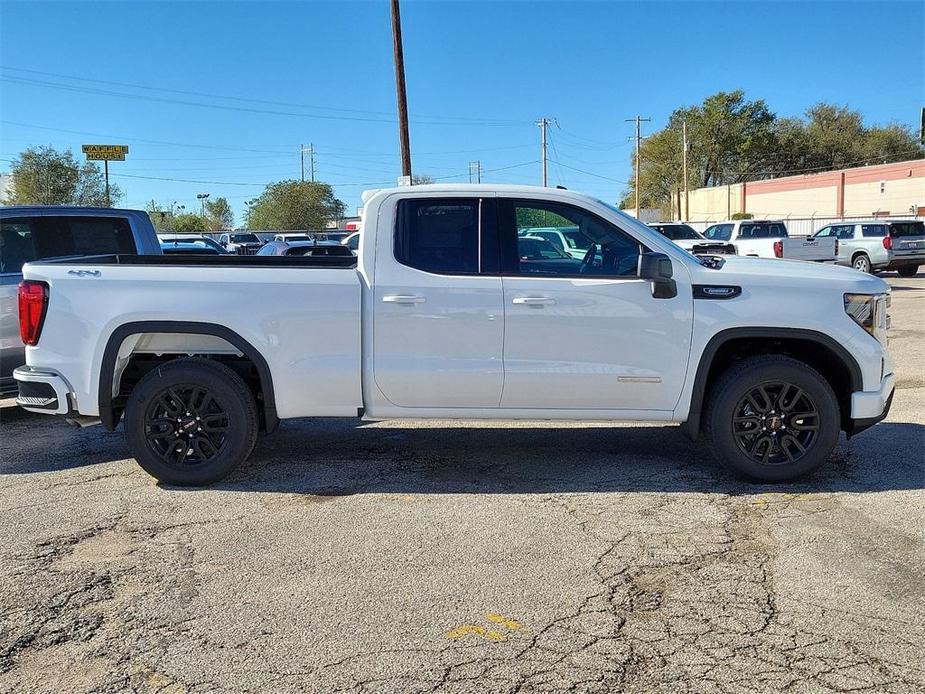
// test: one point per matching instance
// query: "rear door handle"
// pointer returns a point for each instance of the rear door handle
(403, 299)
(533, 300)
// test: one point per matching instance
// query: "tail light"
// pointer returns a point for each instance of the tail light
(778, 249)
(33, 300)
(888, 242)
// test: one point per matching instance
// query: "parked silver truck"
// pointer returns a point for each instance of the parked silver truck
(46, 231)
(879, 244)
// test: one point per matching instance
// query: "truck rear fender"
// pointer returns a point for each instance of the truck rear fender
(159, 338)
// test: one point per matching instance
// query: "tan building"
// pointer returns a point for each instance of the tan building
(882, 190)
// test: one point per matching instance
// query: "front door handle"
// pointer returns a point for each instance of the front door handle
(533, 300)
(403, 299)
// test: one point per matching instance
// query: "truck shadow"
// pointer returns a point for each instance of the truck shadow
(342, 459)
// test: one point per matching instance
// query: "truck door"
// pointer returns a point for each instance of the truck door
(438, 317)
(587, 334)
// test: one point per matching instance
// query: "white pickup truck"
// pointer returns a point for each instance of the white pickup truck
(441, 315)
(768, 238)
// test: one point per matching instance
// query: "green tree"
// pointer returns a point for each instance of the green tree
(295, 205)
(45, 176)
(219, 214)
(190, 223)
(163, 220)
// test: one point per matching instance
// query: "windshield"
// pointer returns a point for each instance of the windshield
(899, 230)
(678, 232)
(244, 238)
(763, 230)
(718, 232)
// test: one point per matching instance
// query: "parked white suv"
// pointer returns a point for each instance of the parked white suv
(447, 314)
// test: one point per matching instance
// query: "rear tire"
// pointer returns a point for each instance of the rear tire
(908, 270)
(772, 418)
(861, 263)
(191, 422)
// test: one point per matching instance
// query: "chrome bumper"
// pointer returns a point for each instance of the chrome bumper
(41, 391)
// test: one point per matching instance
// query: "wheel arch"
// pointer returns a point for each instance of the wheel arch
(111, 410)
(817, 349)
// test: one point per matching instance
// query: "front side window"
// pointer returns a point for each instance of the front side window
(824, 232)
(719, 232)
(17, 245)
(438, 235)
(594, 247)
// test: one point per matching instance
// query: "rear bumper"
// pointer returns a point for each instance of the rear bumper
(41, 391)
(868, 408)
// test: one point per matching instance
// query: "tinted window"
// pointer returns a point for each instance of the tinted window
(354, 243)
(677, 232)
(762, 230)
(439, 236)
(245, 238)
(60, 236)
(875, 230)
(843, 231)
(902, 229)
(598, 248)
(16, 244)
(824, 232)
(719, 232)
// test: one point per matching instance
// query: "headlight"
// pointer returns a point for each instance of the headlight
(869, 311)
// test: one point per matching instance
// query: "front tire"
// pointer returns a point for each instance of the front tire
(908, 270)
(861, 263)
(772, 419)
(191, 422)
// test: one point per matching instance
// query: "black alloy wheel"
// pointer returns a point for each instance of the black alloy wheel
(186, 425)
(775, 423)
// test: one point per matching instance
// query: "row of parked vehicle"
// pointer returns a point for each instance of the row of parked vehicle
(246, 243)
(866, 246)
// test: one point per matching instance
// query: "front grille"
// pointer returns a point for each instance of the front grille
(247, 250)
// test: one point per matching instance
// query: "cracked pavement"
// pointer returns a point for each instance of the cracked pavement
(450, 557)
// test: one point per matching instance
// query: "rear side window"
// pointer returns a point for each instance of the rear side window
(17, 244)
(60, 236)
(873, 230)
(900, 230)
(438, 235)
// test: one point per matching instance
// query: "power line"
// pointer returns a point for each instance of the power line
(455, 119)
(591, 173)
(240, 109)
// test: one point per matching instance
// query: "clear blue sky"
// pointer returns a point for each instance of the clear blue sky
(479, 74)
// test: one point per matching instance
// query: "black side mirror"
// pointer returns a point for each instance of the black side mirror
(657, 268)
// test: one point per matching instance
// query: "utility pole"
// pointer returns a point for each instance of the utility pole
(684, 173)
(403, 137)
(475, 166)
(543, 123)
(638, 120)
(311, 160)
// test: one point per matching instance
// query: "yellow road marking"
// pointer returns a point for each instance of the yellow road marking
(465, 629)
(511, 624)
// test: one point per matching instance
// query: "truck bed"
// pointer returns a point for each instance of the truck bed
(301, 314)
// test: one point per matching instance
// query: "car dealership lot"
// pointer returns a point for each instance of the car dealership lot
(419, 556)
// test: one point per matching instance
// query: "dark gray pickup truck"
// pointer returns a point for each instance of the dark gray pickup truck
(32, 233)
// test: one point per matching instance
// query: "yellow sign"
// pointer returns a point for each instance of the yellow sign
(105, 152)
